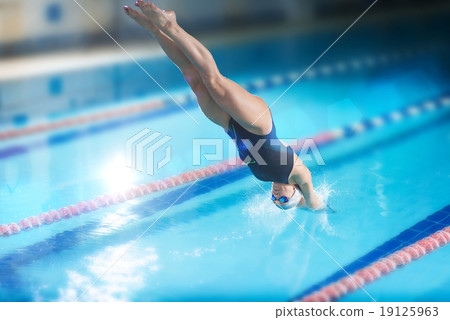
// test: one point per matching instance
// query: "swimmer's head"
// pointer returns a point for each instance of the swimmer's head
(286, 196)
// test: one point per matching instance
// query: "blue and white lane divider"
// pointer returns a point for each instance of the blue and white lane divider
(397, 116)
(339, 68)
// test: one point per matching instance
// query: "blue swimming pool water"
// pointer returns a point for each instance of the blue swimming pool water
(223, 240)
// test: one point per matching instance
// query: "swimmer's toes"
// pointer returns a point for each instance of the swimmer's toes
(143, 5)
(140, 18)
(130, 12)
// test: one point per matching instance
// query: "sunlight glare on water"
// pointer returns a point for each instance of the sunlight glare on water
(117, 176)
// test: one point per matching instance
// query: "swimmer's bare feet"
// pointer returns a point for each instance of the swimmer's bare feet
(161, 18)
(141, 19)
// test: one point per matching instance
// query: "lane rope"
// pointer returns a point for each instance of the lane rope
(138, 191)
(380, 268)
(253, 86)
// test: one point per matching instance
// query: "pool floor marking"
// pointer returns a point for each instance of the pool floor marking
(424, 237)
(110, 199)
(253, 86)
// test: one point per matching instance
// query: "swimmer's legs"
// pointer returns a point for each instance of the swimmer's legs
(208, 105)
(244, 107)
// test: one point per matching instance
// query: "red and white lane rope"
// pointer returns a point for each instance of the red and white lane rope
(81, 120)
(213, 170)
(257, 85)
(380, 268)
(112, 199)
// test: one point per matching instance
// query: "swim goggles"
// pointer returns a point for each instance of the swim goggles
(288, 203)
(282, 199)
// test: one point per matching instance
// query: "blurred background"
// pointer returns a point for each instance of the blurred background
(31, 26)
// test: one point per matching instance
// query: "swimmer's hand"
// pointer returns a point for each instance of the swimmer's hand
(314, 202)
(302, 178)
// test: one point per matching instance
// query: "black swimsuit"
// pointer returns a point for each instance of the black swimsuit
(268, 158)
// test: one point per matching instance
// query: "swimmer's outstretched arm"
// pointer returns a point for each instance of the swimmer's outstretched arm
(302, 178)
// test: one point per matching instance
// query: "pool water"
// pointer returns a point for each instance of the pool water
(223, 240)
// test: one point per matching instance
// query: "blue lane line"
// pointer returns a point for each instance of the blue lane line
(429, 225)
(74, 134)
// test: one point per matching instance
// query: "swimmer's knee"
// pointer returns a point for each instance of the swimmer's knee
(214, 83)
(194, 81)
(203, 96)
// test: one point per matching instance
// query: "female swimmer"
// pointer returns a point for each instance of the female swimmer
(244, 116)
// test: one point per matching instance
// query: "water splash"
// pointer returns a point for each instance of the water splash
(263, 213)
(324, 191)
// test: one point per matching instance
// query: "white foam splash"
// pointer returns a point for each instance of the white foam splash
(264, 213)
(324, 191)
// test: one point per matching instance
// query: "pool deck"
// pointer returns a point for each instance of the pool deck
(16, 68)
